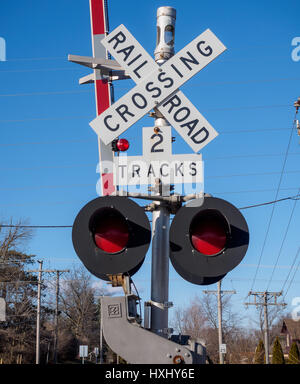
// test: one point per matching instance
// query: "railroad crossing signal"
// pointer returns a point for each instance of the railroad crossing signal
(208, 238)
(111, 235)
(157, 86)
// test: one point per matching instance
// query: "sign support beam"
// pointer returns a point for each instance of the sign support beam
(161, 215)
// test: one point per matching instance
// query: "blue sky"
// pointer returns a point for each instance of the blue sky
(49, 152)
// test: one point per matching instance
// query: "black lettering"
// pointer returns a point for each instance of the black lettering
(127, 51)
(190, 125)
(119, 37)
(107, 126)
(177, 119)
(208, 49)
(206, 133)
(122, 166)
(186, 61)
(176, 70)
(133, 60)
(160, 171)
(162, 80)
(124, 112)
(177, 168)
(153, 89)
(144, 101)
(136, 169)
(192, 167)
(160, 140)
(139, 67)
(172, 100)
(150, 171)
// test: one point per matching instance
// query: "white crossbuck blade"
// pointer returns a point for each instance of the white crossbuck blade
(157, 86)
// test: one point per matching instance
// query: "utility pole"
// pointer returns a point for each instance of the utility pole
(264, 300)
(38, 315)
(58, 272)
(219, 293)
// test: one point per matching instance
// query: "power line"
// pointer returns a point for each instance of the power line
(44, 119)
(264, 300)
(40, 70)
(89, 140)
(70, 226)
(296, 197)
(90, 91)
(46, 93)
(276, 196)
(284, 238)
(47, 142)
(294, 261)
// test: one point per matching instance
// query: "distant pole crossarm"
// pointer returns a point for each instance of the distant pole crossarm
(40, 271)
(264, 299)
(219, 294)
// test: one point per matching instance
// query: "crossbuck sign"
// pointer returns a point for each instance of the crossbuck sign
(158, 86)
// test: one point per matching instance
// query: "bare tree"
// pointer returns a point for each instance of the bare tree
(200, 320)
(80, 308)
(276, 314)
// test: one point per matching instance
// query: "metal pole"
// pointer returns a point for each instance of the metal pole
(101, 336)
(265, 300)
(220, 322)
(160, 268)
(38, 317)
(166, 17)
(56, 318)
(266, 327)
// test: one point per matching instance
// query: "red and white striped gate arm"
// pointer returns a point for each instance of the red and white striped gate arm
(102, 91)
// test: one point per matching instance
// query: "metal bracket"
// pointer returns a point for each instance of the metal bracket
(167, 304)
(137, 345)
(108, 68)
(120, 280)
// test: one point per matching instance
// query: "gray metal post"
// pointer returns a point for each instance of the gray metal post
(38, 315)
(160, 268)
(166, 17)
(266, 327)
(220, 322)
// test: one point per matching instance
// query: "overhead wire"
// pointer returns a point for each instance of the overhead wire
(292, 279)
(283, 240)
(275, 200)
(70, 226)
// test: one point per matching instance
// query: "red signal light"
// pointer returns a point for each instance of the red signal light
(111, 232)
(120, 145)
(208, 234)
(112, 235)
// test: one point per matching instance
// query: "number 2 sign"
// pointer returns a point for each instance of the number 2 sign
(157, 144)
